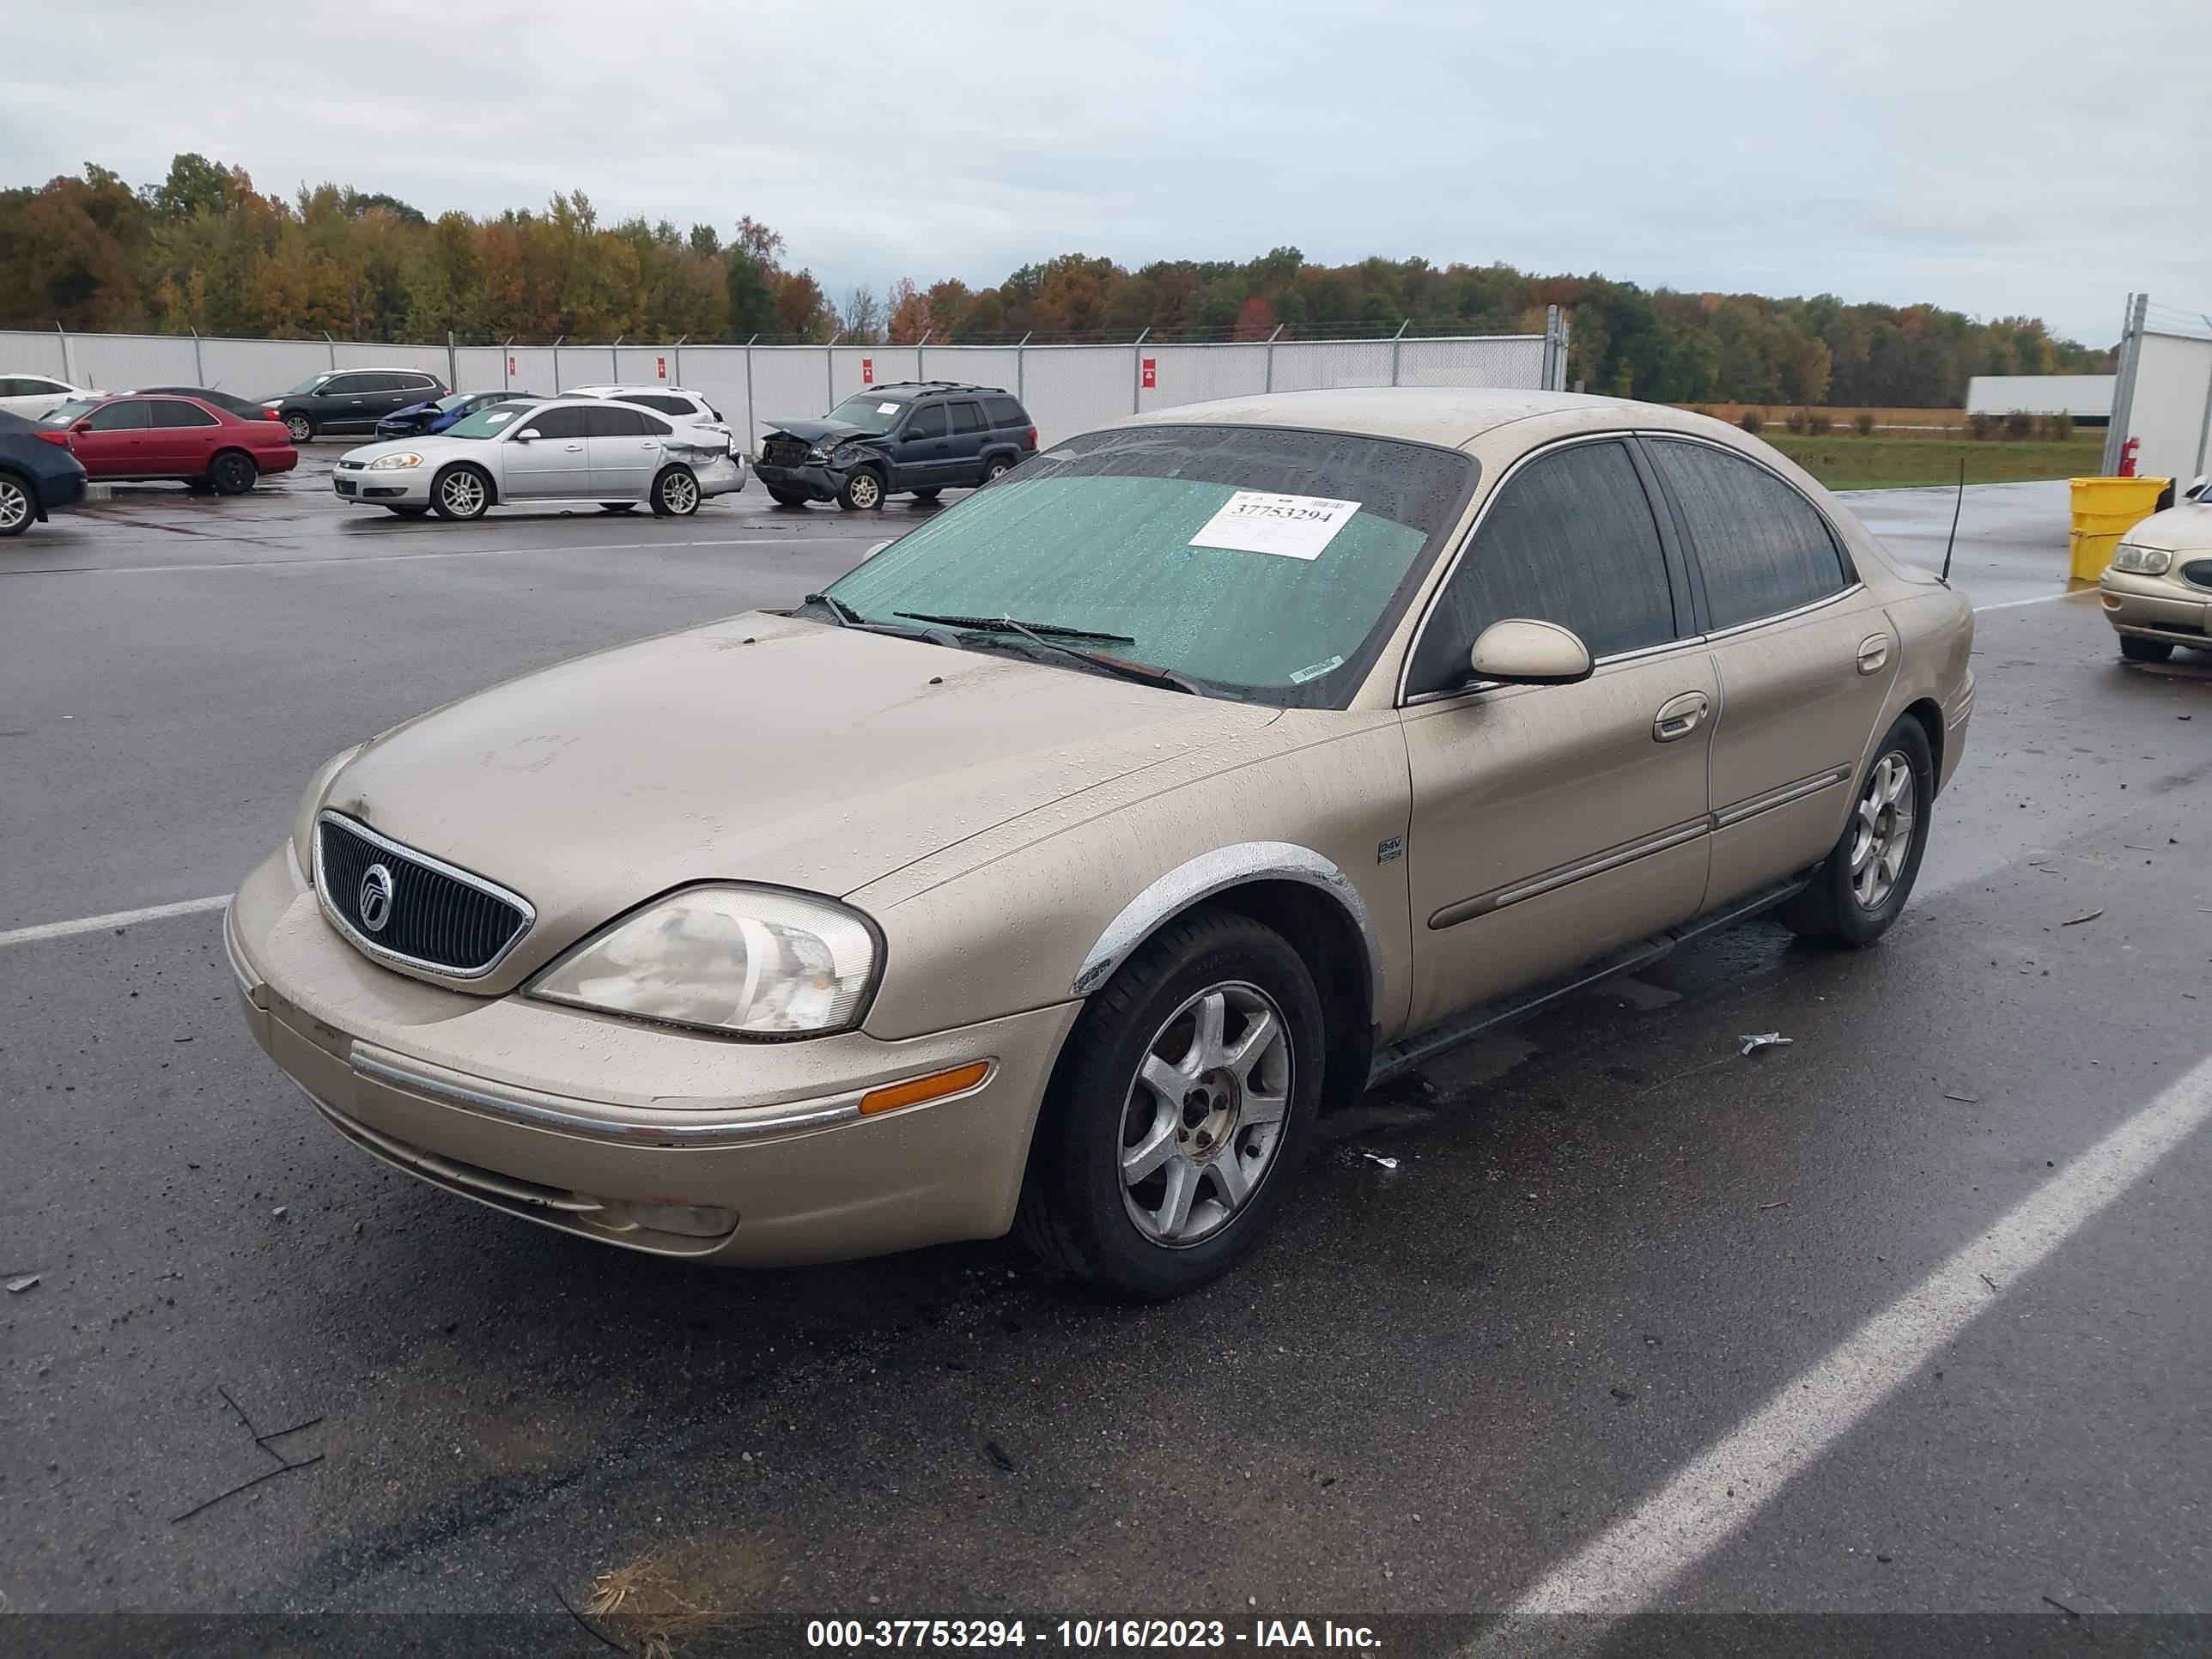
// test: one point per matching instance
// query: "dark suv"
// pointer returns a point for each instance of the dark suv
(350, 400)
(914, 438)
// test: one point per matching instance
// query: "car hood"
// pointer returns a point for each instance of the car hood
(429, 447)
(815, 431)
(763, 748)
(2184, 529)
(412, 412)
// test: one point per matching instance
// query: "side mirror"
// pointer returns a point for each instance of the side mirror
(2199, 487)
(1521, 651)
(529, 433)
(84, 425)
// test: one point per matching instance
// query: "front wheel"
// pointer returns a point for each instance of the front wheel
(2137, 650)
(675, 493)
(863, 492)
(1858, 890)
(1179, 1112)
(461, 492)
(232, 474)
(17, 509)
(298, 428)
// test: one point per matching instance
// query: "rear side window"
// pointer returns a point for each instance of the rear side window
(665, 403)
(1571, 539)
(169, 411)
(1005, 411)
(967, 417)
(1762, 546)
(129, 415)
(927, 422)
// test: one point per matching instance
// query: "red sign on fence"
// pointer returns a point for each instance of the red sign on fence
(867, 371)
(661, 367)
(1151, 374)
(510, 363)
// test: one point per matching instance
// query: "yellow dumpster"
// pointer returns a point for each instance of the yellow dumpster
(2105, 509)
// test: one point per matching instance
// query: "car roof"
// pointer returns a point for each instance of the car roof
(627, 390)
(1451, 416)
(930, 389)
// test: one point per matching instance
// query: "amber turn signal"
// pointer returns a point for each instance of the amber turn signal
(916, 1090)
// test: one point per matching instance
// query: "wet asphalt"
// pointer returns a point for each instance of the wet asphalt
(1607, 1238)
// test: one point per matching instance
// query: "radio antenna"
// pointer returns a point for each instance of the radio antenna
(1952, 541)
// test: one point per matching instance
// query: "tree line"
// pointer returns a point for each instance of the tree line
(203, 250)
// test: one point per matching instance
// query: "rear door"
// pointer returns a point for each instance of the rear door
(116, 439)
(181, 438)
(406, 391)
(1805, 661)
(556, 464)
(1555, 823)
(964, 459)
(625, 452)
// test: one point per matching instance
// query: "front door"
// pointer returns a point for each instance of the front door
(1805, 663)
(1554, 823)
(556, 464)
(113, 440)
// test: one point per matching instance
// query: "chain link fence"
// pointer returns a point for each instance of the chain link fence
(1068, 389)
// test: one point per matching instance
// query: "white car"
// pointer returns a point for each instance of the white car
(542, 449)
(33, 395)
(684, 407)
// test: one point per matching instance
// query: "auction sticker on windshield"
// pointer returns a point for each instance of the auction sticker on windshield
(1290, 526)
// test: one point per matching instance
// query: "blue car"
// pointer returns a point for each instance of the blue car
(419, 420)
(38, 471)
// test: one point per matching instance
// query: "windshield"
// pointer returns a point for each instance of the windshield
(487, 423)
(1262, 562)
(75, 409)
(869, 413)
(308, 385)
(459, 400)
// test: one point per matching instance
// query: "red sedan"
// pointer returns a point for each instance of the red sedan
(169, 437)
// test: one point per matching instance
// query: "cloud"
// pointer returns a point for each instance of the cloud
(1997, 157)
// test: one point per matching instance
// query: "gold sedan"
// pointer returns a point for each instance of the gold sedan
(1056, 868)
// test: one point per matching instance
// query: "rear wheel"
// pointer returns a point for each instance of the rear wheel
(1858, 891)
(617, 507)
(17, 505)
(998, 468)
(675, 493)
(232, 473)
(298, 428)
(2135, 650)
(1179, 1112)
(461, 492)
(788, 497)
(863, 492)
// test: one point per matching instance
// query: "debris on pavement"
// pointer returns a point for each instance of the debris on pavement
(1778, 1204)
(997, 1453)
(1987, 1280)
(1964, 1099)
(21, 1283)
(1752, 1041)
(2063, 1608)
(2075, 921)
(1378, 1157)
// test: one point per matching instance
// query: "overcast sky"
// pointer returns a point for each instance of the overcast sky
(2027, 156)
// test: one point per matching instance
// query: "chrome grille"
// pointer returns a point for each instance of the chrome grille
(427, 914)
(2197, 572)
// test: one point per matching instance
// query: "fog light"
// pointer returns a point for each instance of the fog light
(691, 1220)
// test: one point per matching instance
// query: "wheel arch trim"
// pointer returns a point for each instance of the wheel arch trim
(1225, 867)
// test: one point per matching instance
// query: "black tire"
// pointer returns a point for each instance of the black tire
(406, 512)
(301, 429)
(1074, 1215)
(451, 497)
(1830, 909)
(18, 504)
(929, 495)
(232, 473)
(617, 507)
(787, 497)
(998, 469)
(675, 493)
(863, 492)
(2136, 650)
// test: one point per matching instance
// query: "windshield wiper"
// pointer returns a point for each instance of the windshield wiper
(844, 615)
(1048, 635)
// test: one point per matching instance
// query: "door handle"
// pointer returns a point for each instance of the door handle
(574, 448)
(1873, 651)
(1680, 716)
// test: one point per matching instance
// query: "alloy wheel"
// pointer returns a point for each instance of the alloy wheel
(1882, 830)
(679, 493)
(15, 507)
(865, 492)
(462, 494)
(298, 428)
(1204, 1117)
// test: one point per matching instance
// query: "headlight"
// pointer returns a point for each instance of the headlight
(819, 451)
(748, 961)
(303, 819)
(2141, 561)
(394, 463)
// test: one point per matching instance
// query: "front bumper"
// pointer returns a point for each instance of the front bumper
(401, 486)
(565, 1118)
(824, 483)
(2156, 608)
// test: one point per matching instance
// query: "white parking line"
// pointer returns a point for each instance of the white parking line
(2013, 604)
(1632, 1562)
(114, 918)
